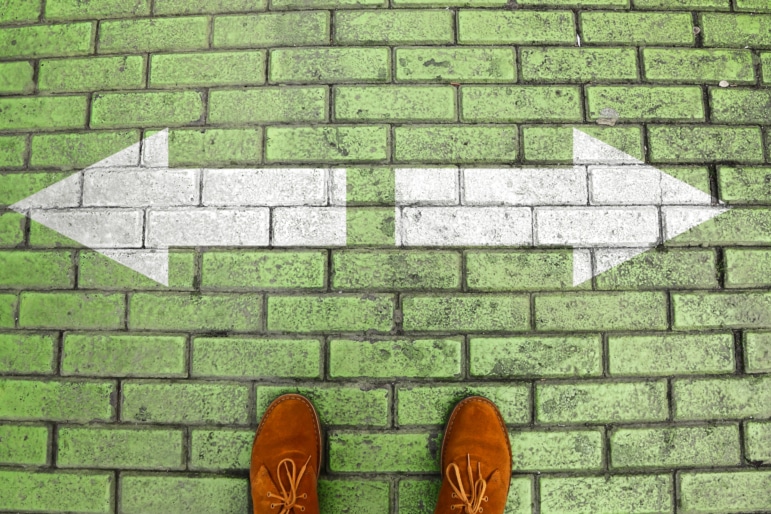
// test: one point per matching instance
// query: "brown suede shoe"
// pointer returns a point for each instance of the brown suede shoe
(286, 458)
(476, 460)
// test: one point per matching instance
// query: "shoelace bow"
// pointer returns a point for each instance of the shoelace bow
(472, 505)
(289, 499)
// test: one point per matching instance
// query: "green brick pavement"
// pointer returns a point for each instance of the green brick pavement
(646, 389)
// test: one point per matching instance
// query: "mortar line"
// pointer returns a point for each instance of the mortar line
(720, 264)
(393, 494)
(676, 490)
(606, 454)
(670, 401)
(188, 356)
(739, 351)
(118, 402)
(252, 412)
(210, 30)
(324, 351)
(536, 493)
(54, 443)
(670, 311)
(605, 355)
(465, 368)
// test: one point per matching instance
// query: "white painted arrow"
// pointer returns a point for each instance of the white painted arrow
(132, 207)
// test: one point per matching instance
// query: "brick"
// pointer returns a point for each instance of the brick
(12, 149)
(432, 186)
(326, 144)
(76, 310)
(159, 494)
(272, 104)
(602, 402)
(413, 494)
(606, 495)
(42, 113)
(255, 358)
(578, 64)
(95, 9)
(164, 7)
(8, 309)
(684, 5)
(146, 109)
(18, 186)
(221, 449)
(250, 270)
(757, 352)
(419, 358)
(206, 312)
(647, 103)
(466, 313)
(383, 452)
(737, 226)
(271, 30)
(515, 27)
(36, 270)
(727, 310)
(336, 405)
(458, 144)
(394, 27)
(671, 354)
(64, 39)
(215, 147)
(369, 496)
(272, 187)
(127, 448)
(520, 104)
(722, 398)
(208, 69)
(189, 403)
(370, 186)
(741, 105)
(698, 66)
(208, 227)
(608, 4)
(523, 186)
(674, 269)
(15, 11)
(556, 451)
(326, 4)
(331, 313)
(758, 441)
(395, 270)
(123, 355)
(744, 491)
(27, 354)
(92, 74)
(455, 65)
(555, 144)
(79, 150)
(752, 5)
(736, 30)
(24, 445)
(747, 268)
(11, 229)
(541, 357)
(446, 3)
(96, 271)
(433, 404)
(637, 28)
(60, 400)
(330, 65)
(16, 78)
(460, 226)
(765, 59)
(291, 226)
(370, 226)
(601, 311)
(744, 184)
(395, 103)
(59, 491)
(154, 35)
(684, 143)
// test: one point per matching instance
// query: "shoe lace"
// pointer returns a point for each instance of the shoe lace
(288, 500)
(472, 504)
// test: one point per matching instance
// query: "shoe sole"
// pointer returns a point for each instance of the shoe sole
(307, 402)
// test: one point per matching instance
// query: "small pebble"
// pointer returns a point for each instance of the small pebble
(723, 83)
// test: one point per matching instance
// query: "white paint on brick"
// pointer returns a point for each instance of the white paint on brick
(427, 186)
(590, 150)
(607, 258)
(464, 226)
(338, 189)
(681, 219)
(309, 226)
(153, 264)
(95, 228)
(264, 187)
(208, 227)
(525, 186)
(140, 187)
(582, 266)
(677, 192)
(596, 226)
(155, 150)
(62, 194)
(624, 185)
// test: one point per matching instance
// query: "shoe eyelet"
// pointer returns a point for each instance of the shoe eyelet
(268, 495)
(481, 510)
(487, 499)
(272, 505)
(302, 509)
(305, 495)
(452, 507)
(453, 495)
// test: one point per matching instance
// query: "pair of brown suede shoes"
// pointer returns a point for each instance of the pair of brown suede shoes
(286, 459)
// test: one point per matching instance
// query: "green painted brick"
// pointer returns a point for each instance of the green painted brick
(757, 352)
(146, 109)
(162, 494)
(607, 4)
(671, 354)
(419, 496)
(331, 143)
(206, 312)
(18, 186)
(16, 78)
(395, 269)
(606, 494)
(76, 310)
(744, 184)
(42, 113)
(417, 358)
(520, 104)
(738, 491)
(433, 404)
(752, 5)
(215, 147)
(8, 306)
(747, 267)
(647, 103)
(11, 229)
(394, 27)
(60, 400)
(95, 271)
(578, 64)
(738, 227)
(741, 105)
(555, 144)
(722, 398)
(455, 64)
(736, 30)
(637, 28)
(473, 313)
(542, 357)
(59, 491)
(154, 35)
(326, 4)
(328, 65)
(694, 143)
(36, 270)
(383, 452)
(12, 149)
(272, 29)
(758, 441)
(673, 269)
(698, 65)
(515, 270)
(24, 445)
(331, 313)
(64, 39)
(208, 69)
(370, 186)
(271, 104)
(95, 9)
(726, 310)
(680, 447)
(370, 226)
(447, 3)
(684, 5)
(219, 450)
(189, 403)
(15, 11)
(395, 103)
(456, 144)
(122, 448)
(91, 74)
(601, 311)
(163, 7)
(255, 358)
(369, 496)
(765, 59)
(249, 270)
(602, 402)
(336, 405)
(80, 150)
(696, 176)
(27, 354)
(515, 27)
(123, 355)
(556, 450)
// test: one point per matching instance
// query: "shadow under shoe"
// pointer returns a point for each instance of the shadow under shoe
(286, 458)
